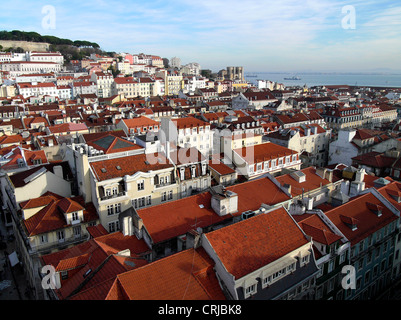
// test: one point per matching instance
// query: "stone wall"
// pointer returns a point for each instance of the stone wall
(27, 46)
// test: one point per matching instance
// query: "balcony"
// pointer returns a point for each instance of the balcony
(113, 197)
(59, 244)
(162, 185)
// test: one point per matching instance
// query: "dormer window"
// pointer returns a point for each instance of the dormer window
(250, 290)
(74, 216)
(203, 168)
(376, 209)
(193, 171)
(304, 260)
(349, 222)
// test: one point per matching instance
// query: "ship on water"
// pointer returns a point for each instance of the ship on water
(293, 78)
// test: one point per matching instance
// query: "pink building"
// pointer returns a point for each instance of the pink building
(130, 58)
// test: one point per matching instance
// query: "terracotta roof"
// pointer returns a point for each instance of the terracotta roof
(312, 181)
(263, 152)
(140, 122)
(97, 231)
(189, 122)
(28, 155)
(112, 144)
(129, 165)
(220, 167)
(51, 217)
(172, 219)
(68, 127)
(356, 211)
(43, 200)
(73, 263)
(68, 205)
(316, 228)
(374, 159)
(187, 275)
(96, 256)
(392, 192)
(276, 234)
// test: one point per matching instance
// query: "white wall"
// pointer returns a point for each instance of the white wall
(342, 150)
(46, 182)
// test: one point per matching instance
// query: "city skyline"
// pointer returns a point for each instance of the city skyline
(312, 36)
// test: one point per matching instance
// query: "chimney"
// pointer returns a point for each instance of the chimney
(193, 238)
(223, 201)
(127, 226)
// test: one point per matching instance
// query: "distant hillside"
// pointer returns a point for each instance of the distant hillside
(20, 41)
(17, 35)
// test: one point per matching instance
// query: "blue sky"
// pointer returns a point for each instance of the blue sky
(263, 35)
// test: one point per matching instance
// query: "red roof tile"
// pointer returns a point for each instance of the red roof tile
(187, 275)
(275, 232)
(107, 169)
(312, 181)
(316, 228)
(51, 218)
(357, 212)
(263, 152)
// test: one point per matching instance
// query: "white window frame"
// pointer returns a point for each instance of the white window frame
(250, 290)
(74, 216)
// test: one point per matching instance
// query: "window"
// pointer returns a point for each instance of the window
(75, 216)
(43, 238)
(319, 292)
(164, 196)
(266, 281)
(149, 200)
(135, 203)
(170, 195)
(331, 266)
(117, 207)
(115, 190)
(114, 226)
(304, 260)
(375, 270)
(383, 265)
(342, 257)
(64, 275)
(367, 277)
(250, 290)
(369, 258)
(110, 210)
(141, 185)
(60, 236)
(77, 231)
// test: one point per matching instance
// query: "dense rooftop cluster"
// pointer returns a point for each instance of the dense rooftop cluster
(138, 180)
